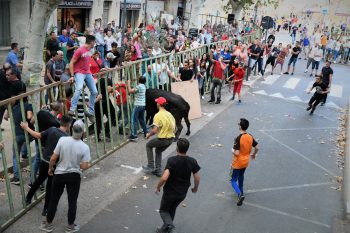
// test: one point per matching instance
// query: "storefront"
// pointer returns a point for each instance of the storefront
(73, 14)
(133, 10)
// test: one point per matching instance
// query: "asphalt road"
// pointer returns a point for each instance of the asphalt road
(290, 187)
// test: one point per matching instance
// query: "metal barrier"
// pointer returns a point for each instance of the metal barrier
(113, 117)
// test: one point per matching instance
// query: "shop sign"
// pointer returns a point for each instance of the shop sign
(131, 6)
(75, 4)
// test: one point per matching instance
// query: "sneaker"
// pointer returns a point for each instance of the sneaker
(132, 138)
(28, 201)
(311, 75)
(239, 101)
(217, 102)
(322, 104)
(157, 173)
(71, 229)
(14, 180)
(47, 227)
(292, 74)
(286, 73)
(44, 212)
(147, 169)
(312, 112)
(240, 199)
(308, 108)
(232, 98)
(271, 73)
(305, 71)
(211, 101)
(202, 97)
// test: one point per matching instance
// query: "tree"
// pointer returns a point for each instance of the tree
(33, 52)
(236, 6)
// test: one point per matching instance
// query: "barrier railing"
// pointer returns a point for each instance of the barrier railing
(104, 137)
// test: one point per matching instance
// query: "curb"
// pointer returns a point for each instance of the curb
(346, 182)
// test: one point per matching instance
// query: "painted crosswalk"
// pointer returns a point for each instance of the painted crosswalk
(294, 89)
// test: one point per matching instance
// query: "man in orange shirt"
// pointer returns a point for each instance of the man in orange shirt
(241, 154)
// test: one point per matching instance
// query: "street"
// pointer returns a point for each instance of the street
(290, 187)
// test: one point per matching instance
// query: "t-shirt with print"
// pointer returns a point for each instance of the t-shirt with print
(244, 143)
(140, 95)
(50, 138)
(165, 123)
(82, 55)
(71, 153)
(180, 168)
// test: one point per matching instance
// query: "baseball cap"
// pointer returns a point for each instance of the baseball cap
(110, 55)
(160, 101)
(78, 129)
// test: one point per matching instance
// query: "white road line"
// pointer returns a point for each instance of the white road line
(279, 212)
(301, 155)
(288, 215)
(336, 91)
(309, 85)
(136, 169)
(269, 80)
(291, 83)
(295, 129)
(277, 95)
(332, 105)
(288, 187)
(261, 92)
(295, 98)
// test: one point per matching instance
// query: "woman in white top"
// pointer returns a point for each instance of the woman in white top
(109, 39)
(336, 50)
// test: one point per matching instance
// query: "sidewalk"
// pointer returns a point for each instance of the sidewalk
(115, 175)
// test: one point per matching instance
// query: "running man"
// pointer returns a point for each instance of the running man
(321, 91)
(241, 153)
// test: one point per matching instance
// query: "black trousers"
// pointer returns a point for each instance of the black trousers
(72, 183)
(167, 209)
(43, 174)
(314, 101)
(100, 115)
(2, 112)
(325, 95)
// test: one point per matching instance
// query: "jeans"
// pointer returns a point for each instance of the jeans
(79, 83)
(237, 174)
(72, 183)
(138, 115)
(260, 66)
(43, 174)
(309, 62)
(160, 144)
(20, 141)
(293, 38)
(345, 55)
(48, 95)
(315, 65)
(167, 209)
(335, 55)
(37, 160)
(216, 83)
(292, 60)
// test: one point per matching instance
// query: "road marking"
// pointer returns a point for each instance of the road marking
(336, 91)
(288, 215)
(300, 155)
(262, 92)
(208, 114)
(277, 95)
(291, 83)
(309, 85)
(295, 129)
(137, 170)
(269, 80)
(288, 187)
(295, 98)
(332, 105)
(279, 212)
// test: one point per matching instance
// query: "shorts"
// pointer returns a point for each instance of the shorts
(252, 62)
(292, 60)
(237, 86)
(271, 60)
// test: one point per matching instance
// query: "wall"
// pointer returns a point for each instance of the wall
(114, 12)
(154, 8)
(170, 6)
(96, 11)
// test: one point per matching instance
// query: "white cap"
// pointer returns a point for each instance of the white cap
(110, 55)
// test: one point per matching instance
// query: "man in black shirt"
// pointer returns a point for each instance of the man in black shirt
(72, 45)
(51, 45)
(50, 137)
(176, 180)
(185, 73)
(4, 89)
(271, 39)
(293, 59)
(327, 77)
(321, 91)
(116, 61)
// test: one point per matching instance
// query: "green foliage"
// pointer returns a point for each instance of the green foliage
(245, 4)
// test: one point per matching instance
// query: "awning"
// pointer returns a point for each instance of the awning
(76, 4)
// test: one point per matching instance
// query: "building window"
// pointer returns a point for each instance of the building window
(106, 6)
(5, 33)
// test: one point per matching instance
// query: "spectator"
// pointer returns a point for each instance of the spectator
(151, 78)
(122, 103)
(108, 28)
(50, 76)
(51, 45)
(100, 42)
(116, 60)
(64, 37)
(185, 73)
(218, 76)
(109, 39)
(72, 45)
(156, 51)
(194, 43)
(5, 90)
(60, 65)
(96, 64)
(80, 72)
(12, 58)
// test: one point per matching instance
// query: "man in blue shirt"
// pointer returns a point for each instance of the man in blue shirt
(12, 58)
(64, 37)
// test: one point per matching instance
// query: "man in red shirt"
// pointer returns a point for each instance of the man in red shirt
(80, 72)
(238, 81)
(123, 115)
(218, 77)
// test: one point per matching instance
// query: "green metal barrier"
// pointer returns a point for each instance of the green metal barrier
(116, 110)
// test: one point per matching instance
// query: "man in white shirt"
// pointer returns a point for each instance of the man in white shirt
(109, 39)
(317, 53)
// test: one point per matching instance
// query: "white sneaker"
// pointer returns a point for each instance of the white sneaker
(305, 71)
(202, 97)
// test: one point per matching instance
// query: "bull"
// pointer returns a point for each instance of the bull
(176, 105)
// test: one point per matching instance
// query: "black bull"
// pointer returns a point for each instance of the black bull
(176, 105)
